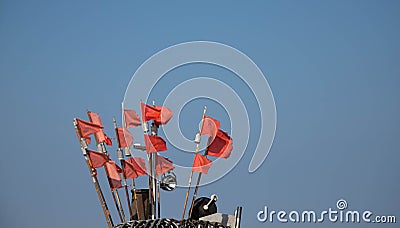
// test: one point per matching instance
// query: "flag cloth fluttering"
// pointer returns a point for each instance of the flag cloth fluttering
(209, 126)
(201, 164)
(160, 114)
(100, 135)
(95, 118)
(134, 167)
(132, 119)
(98, 159)
(163, 165)
(113, 173)
(125, 138)
(87, 128)
(154, 143)
(221, 146)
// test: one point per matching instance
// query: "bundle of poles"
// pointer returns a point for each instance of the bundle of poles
(95, 127)
(200, 164)
(114, 191)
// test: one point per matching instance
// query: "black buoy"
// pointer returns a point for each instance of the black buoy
(204, 206)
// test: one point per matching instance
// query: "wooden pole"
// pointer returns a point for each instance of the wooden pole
(102, 148)
(122, 162)
(128, 154)
(100, 195)
(196, 189)
(117, 203)
(191, 172)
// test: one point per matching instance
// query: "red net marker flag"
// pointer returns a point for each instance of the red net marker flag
(100, 135)
(113, 173)
(95, 118)
(154, 143)
(160, 114)
(87, 128)
(134, 167)
(221, 146)
(201, 164)
(132, 119)
(98, 159)
(125, 138)
(163, 165)
(209, 126)
(166, 115)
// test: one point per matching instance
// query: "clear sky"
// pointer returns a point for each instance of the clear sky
(333, 67)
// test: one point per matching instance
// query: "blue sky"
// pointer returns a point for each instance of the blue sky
(333, 67)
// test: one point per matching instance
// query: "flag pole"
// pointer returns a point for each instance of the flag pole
(102, 148)
(197, 187)
(156, 196)
(121, 159)
(128, 154)
(150, 163)
(100, 195)
(191, 173)
(154, 131)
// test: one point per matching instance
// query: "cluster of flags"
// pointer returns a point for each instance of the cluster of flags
(220, 145)
(133, 166)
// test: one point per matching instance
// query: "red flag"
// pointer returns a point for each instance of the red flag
(163, 165)
(98, 159)
(125, 138)
(160, 114)
(154, 143)
(221, 146)
(201, 164)
(95, 118)
(210, 126)
(132, 119)
(87, 128)
(134, 167)
(113, 173)
(100, 135)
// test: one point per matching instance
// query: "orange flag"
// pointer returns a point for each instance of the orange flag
(160, 114)
(134, 167)
(100, 135)
(221, 146)
(201, 164)
(113, 173)
(98, 159)
(210, 126)
(125, 138)
(163, 165)
(87, 128)
(132, 119)
(154, 143)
